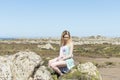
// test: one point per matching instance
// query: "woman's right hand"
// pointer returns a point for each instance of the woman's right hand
(57, 59)
(60, 59)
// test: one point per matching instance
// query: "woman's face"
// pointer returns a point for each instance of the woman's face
(66, 37)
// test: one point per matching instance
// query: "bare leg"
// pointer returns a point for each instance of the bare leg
(51, 61)
(55, 66)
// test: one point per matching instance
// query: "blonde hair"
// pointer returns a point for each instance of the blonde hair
(62, 36)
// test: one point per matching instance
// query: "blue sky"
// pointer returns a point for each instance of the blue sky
(43, 18)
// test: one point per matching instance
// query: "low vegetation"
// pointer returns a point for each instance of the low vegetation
(98, 50)
(87, 50)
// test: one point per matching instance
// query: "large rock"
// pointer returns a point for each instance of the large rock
(5, 69)
(42, 74)
(23, 66)
(26, 65)
(85, 71)
(46, 46)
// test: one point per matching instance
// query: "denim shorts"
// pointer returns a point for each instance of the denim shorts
(64, 69)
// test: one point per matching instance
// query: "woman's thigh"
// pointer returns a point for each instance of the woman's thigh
(59, 64)
(53, 60)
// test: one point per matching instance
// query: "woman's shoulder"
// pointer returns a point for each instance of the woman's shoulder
(70, 44)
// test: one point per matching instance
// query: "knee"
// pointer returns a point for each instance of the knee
(49, 62)
(52, 65)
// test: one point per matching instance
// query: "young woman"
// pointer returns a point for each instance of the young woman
(65, 58)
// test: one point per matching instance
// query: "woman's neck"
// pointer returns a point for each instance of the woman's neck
(65, 43)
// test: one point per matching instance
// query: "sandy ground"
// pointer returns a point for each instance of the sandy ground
(111, 73)
(108, 72)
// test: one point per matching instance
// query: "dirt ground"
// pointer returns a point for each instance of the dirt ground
(108, 72)
(111, 73)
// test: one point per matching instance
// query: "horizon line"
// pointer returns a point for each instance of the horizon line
(18, 37)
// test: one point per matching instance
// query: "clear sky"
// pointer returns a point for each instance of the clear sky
(42, 18)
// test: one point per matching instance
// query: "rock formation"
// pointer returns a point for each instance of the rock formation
(26, 65)
(84, 71)
(23, 66)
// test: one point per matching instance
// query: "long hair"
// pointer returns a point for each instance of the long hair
(62, 36)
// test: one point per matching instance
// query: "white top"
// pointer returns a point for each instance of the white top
(64, 50)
